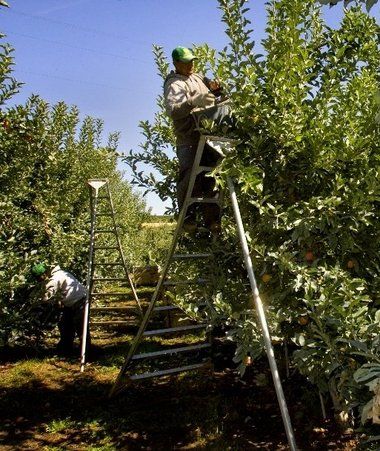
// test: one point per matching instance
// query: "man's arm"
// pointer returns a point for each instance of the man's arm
(50, 290)
(177, 103)
(54, 292)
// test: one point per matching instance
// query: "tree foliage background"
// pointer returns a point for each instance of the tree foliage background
(308, 176)
(46, 157)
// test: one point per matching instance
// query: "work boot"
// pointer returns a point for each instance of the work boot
(215, 227)
(190, 226)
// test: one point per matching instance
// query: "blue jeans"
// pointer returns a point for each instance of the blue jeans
(71, 325)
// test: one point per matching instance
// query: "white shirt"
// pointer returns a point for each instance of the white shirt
(64, 287)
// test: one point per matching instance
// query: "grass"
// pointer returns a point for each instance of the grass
(59, 425)
(47, 404)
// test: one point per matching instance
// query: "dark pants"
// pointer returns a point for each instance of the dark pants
(203, 186)
(71, 325)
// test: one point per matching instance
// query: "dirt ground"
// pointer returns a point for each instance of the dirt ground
(47, 404)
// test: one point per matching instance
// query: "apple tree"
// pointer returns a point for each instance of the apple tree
(307, 170)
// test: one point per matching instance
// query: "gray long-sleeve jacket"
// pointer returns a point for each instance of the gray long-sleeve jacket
(64, 288)
(178, 93)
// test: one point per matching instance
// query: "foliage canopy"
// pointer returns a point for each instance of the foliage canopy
(307, 117)
(46, 158)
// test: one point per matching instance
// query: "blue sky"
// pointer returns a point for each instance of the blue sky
(98, 54)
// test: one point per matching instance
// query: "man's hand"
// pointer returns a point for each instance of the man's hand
(203, 100)
(214, 85)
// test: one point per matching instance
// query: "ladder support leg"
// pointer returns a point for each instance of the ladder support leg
(86, 312)
(131, 284)
(262, 319)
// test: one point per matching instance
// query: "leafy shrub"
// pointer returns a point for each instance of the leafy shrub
(46, 158)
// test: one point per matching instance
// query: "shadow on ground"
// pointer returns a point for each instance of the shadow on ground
(46, 403)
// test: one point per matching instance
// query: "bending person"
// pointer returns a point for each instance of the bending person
(66, 293)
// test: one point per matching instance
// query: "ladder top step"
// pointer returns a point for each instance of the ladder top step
(180, 369)
(191, 348)
(170, 330)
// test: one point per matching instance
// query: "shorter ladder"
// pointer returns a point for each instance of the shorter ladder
(107, 269)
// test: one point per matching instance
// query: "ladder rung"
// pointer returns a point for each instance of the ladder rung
(165, 308)
(184, 256)
(170, 330)
(205, 169)
(112, 309)
(149, 355)
(204, 200)
(186, 282)
(180, 369)
(113, 323)
(109, 279)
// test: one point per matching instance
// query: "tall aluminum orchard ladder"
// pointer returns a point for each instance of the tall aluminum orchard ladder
(103, 224)
(165, 283)
(221, 145)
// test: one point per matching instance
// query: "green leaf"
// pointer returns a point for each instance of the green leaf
(367, 373)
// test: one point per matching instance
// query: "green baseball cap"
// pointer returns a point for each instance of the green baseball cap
(39, 269)
(183, 54)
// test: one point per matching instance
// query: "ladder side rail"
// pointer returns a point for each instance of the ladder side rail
(90, 269)
(127, 274)
(160, 283)
(186, 203)
(262, 319)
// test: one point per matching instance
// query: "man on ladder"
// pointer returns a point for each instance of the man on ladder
(185, 90)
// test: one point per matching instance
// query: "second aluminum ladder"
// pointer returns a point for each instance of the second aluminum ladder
(107, 267)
